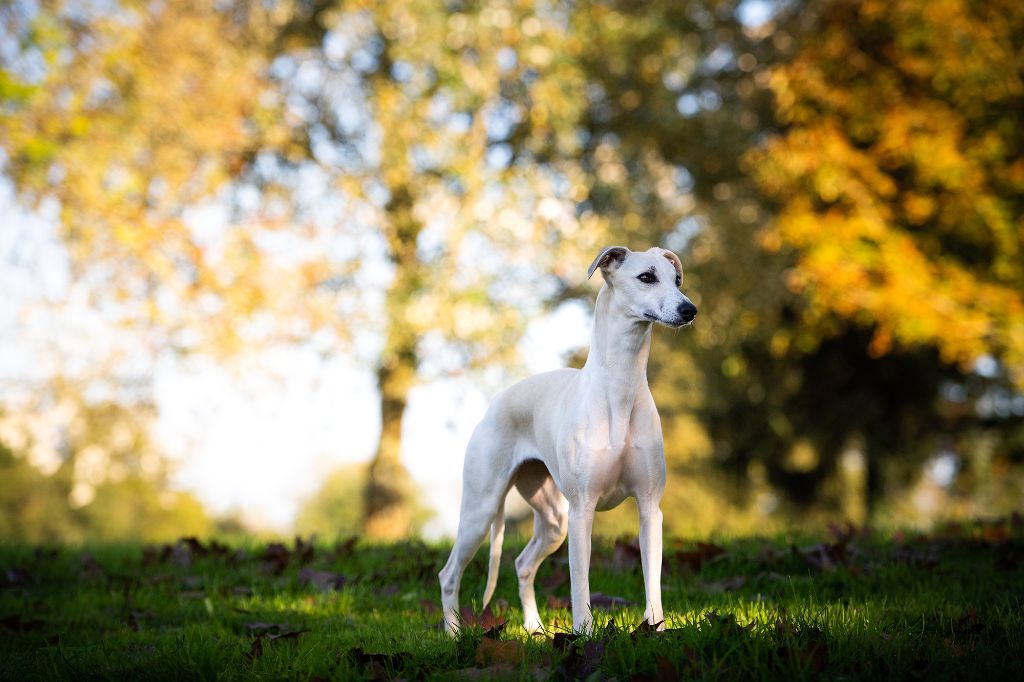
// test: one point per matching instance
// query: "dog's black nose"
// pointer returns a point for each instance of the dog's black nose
(687, 311)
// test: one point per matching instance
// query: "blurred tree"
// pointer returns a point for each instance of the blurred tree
(899, 174)
(898, 178)
(76, 469)
(130, 116)
(437, 121)
(784, 400)
(431, 123)
(33, 506)
(678, 94)
(333, 512)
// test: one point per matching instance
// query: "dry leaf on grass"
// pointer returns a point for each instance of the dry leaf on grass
(559, 602)
(625, 555)
(607, 601)
(664, 672)
(491, 651)
(557, 578)
(322, 580)
(693, 560)
(726, 585)
(486, 619)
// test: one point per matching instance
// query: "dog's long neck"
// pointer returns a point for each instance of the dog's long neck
(618, 357)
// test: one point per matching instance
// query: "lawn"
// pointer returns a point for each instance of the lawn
(843, 605)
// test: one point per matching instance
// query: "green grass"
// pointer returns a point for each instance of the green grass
(833, 607)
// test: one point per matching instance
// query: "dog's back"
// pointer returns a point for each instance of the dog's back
(523, 413)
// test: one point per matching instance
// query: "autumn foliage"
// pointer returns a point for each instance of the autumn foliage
(899, 176)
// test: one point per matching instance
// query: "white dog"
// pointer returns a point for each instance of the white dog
(573, 442)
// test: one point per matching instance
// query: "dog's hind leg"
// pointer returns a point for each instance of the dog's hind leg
(550, 523)
(484, 488)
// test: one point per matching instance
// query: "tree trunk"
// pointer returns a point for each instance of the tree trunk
(388, 487)
(389, 499)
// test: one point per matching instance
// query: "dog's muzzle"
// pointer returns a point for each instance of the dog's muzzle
(687, 311)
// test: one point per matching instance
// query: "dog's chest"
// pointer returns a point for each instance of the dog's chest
(601, 470)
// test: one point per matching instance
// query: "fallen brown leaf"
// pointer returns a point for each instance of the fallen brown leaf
(925, 558)
(388, 591)
(579, 662)
(259, 627)
(826, 556)
(557, 578)
(343, 548)
(486, 619)
(496, 671)
(132, 621)
(605, 601)
(263, 632)
(16, 576)
(192, 582)
(646, 628)
(559, 602)
(45, 554)
(378, 664)
(491, 651)
(194, 546)
(275, 558)
(664, 672)
(769, 554)
(16, 623)
(625, 555)
(322, 580)
(809, 657)
(179, 554)
(255, 649)
(1008, 557)
(995, 533)
(726, 585)
(290, 634)
(694, 559)
(783, 628)
(89, 568)
(218, 549)
(805, 649)
(845, 533)
(726, 622)
(303, 550)
(957, 650)
(969, 623)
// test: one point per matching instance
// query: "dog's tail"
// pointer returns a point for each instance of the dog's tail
(497, 536)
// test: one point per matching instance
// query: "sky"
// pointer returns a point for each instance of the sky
(259, 436)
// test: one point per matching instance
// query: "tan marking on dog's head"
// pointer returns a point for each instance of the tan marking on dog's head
(608, 260)
(676, 263)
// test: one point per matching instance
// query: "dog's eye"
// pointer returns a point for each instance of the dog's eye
(647, 277)
(679, 281)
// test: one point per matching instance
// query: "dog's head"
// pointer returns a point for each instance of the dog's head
(648, 281)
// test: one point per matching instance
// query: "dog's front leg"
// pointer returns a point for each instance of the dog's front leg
(650, 559)
(581, 525)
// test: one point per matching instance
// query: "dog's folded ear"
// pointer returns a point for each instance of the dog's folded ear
(608, 260)
(674, 259)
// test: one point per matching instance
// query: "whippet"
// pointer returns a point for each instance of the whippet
(574, 442)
